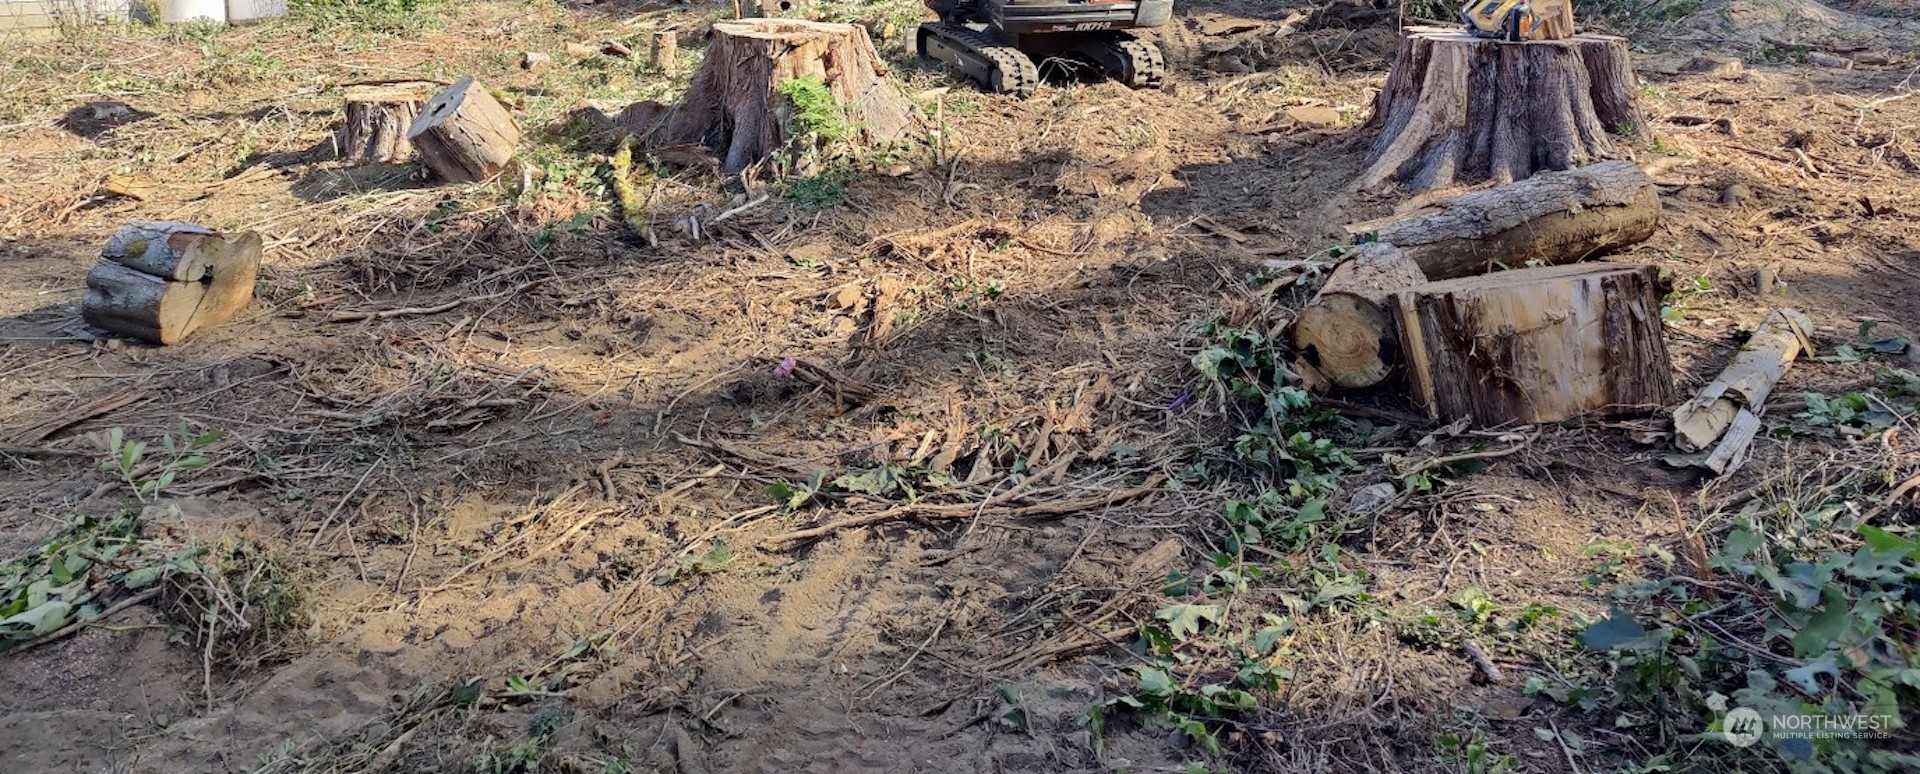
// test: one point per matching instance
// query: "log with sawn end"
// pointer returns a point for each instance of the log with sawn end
(1546, 220)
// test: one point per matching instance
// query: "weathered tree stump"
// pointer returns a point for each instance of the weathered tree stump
(377, 119)
(160, 281)
(735, 107)
(1346, 333)
(666, 49)
(1549, 219)
(464, 135)
(1459, 109)
(1537, 345)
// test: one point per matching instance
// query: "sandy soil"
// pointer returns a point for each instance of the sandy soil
(473, 492)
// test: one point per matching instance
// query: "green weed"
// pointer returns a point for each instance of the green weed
(381, 16)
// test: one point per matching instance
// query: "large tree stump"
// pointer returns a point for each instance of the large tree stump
(1459, 109)
(1346, 333)
(1537, 345)
(377, 120)
(160, 281)
(735, 107)
(1549, 219)
(463, 134)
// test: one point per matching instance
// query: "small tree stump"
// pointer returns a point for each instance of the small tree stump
(734, 105)
(1537, 345)
(160, 281)
(1459, 109)
(377, 120)
(1549, 219)
(464, 135)
(1346, 333)
(666, 49)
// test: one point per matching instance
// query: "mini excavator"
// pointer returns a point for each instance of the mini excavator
(996, 42)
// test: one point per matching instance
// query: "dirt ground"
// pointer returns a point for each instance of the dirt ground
(560, 477)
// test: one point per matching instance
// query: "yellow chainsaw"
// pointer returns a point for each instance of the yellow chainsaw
(1517, 20)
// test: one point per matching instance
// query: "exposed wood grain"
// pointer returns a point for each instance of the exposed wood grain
(1537, 345)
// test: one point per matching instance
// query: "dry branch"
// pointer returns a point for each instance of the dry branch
(964, 511)
(1727, 410)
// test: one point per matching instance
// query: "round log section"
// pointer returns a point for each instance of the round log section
(1346, 333)
(159, 281)
(1462, 110)
(464, 135)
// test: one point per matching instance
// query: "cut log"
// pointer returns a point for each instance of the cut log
(1459, 109)
(735, 105)
(1346, 333)
(168, 250)
(1746, 382)
(377, 120)
(463, 134)
(1549, 219)
(161, 281)
(1537, 345)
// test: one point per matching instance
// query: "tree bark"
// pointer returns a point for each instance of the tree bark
(666, 49)
(734, 105)
(464, 135)
(161, 281)
(377, 120)
(1459, 109)
(1747, 381)
(1346, 333)
(1537, 345)
(1550, 219)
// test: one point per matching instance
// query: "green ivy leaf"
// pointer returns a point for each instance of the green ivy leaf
(1184, 621)
(1618, 631)
(1155, 682)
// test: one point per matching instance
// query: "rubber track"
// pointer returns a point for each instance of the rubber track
(1023, 75)
(1149, 65)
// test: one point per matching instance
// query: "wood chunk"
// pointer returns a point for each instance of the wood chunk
(378, 117)
(734, 105)
(1347, 333)
(1460, 109)
(666, 49)
(1537, 345)
(168, 250)
(161, 281)
(464, 135)
(1549, 219)
(1746, 382)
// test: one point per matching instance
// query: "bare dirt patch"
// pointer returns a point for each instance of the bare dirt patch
(536, 527)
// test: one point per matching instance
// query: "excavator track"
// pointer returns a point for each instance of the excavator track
(1001, 68)
(1147, 66)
